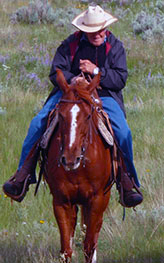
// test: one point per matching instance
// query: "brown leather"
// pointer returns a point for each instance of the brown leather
(128, 197)
(21, 179)
(132, 198)
(24, 186)
(126, 182)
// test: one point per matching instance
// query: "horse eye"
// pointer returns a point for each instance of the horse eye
(83, 149)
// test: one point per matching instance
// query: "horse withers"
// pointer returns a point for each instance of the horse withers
(78, 166)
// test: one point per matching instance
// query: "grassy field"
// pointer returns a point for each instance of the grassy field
(28, 231)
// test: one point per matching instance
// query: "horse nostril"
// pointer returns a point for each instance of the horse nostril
(63, 160)
(77, 159)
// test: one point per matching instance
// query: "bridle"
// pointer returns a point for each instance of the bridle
(71, 101)
(88, 139)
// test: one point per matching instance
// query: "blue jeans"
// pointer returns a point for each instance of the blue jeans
(37, 128)
(118, 122)
(122, 133)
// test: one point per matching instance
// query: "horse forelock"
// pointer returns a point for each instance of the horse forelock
(80, 90)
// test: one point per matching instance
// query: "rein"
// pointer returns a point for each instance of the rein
(70, 101)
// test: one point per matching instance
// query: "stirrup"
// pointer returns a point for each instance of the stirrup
(137, 200)
(20, 197)
(131, 186)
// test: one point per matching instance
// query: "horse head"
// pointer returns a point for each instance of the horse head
(75, 112)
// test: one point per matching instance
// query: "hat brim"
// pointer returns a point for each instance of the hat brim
(79, 23)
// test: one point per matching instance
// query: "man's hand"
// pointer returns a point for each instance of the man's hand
(87, 66)
(79, 79)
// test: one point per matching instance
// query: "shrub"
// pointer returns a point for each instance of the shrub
(150, 25)
(160, 5)
(64, 16)
(40, 11)
(125, 2)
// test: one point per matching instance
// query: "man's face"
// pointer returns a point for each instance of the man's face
(96, 38)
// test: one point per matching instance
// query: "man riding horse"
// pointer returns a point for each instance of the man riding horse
(90, 50)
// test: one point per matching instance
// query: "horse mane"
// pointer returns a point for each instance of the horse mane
(83, 93)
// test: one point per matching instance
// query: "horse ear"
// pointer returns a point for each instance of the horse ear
(94, 83)
(61, 80)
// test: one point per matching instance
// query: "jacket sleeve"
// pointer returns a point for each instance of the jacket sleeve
(114, 73)
(61, 60)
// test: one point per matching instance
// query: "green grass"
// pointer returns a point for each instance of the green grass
(28, 231)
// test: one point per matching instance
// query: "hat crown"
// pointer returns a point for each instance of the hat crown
(94, 15)
(93, 19)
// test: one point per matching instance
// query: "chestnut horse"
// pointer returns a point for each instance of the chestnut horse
(78, 166)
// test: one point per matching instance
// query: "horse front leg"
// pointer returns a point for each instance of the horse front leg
(93, 218)
(91, 239)
(66, 217)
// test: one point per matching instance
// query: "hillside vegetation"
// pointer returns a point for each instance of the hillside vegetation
(30, 32)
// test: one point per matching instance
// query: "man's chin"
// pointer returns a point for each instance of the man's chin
(97, 42)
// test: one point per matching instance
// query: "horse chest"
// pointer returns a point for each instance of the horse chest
(74, 192)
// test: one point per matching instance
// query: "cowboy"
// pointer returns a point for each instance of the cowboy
(91, 49)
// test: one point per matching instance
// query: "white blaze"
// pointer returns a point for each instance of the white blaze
(94, 260)
(75, 109)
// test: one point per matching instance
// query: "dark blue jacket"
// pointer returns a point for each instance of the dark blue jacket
(110, 57)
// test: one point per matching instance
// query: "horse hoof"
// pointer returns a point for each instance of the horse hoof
(64, 259)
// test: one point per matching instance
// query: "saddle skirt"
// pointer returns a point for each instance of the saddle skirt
(52, 123)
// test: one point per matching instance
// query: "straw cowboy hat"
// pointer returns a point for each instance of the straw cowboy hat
(93, 19)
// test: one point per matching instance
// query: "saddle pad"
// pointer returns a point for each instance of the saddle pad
(48, 133)
(103, 129)
(105, 132)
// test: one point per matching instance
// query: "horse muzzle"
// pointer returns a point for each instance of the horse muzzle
(70, 165)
